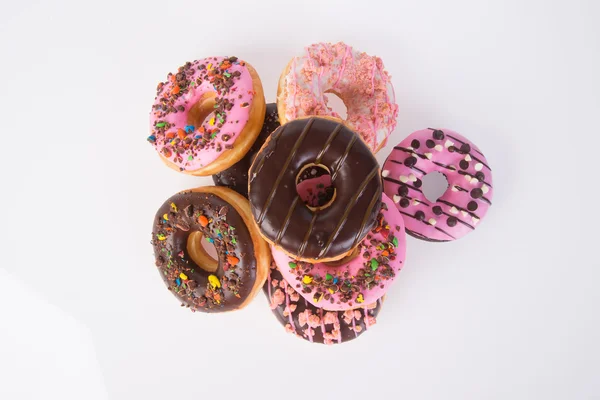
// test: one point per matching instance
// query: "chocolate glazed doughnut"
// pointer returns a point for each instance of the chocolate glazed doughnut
(325, 233)
(222, 217)
(236, 176)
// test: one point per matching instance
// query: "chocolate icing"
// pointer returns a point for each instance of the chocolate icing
(236, 176)
(286, 221)
(297, 315)
(218, 222)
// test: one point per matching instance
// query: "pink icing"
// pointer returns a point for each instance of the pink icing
(468, 198)
(309, 189)
(193, 147)
(390, 234)
(360, 81)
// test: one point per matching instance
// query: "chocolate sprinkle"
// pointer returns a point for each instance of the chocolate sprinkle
(472, 206)
(438, 134)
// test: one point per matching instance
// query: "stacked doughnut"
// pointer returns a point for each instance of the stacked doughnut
(301, 208)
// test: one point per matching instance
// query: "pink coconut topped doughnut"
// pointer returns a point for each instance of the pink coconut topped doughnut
(183, 132)
(469, 194)
(361, 280)
(357, 78)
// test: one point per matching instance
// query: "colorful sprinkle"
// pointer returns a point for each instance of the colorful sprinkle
(307, 279)
(328, 277)
(177, 281)
(161, 236)
(292, 265)
(233, 260)
(374, 264)
(214, 281)
(203, 220)
(161, 124)
(174, 207)
(183, 276)
(190, 128)
(317, 298)
(395, 241)
(152, 138)
(360, 298)
(210, 240)
(166, 216)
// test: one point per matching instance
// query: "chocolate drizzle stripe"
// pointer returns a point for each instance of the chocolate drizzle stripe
(413, 167)
(466, 173)
(330, 139)
(424, 157)
(459, 208)
(351, 204)
(463, 142)
(286, 221)
(284, 169)
(460, 189)
(420, 201)
(427, 223)
(402, 183)
(258, 168)
(459, 220)
(342, 159)
(423, 237)
(365, 220)
(302, 247)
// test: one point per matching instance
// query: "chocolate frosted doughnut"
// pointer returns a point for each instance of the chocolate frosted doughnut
(325, 233)
(222, 217)
(313, 323)
(236, 176)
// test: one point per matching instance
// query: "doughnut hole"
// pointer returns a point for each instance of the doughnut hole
(202, 110)
(202, 252)
(314, 186)
(435, 185)
(336, 104)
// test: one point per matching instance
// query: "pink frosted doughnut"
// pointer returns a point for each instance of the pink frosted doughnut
(469, 176)
(358, 79)
(181, 132)
(363, 279)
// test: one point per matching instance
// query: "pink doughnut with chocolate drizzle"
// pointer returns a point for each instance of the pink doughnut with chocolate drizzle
(469, 194)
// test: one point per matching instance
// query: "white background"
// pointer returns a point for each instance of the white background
(509, 312)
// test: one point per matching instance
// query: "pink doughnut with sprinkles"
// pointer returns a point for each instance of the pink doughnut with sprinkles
(469, 194)
(361, 278)
(207, 115)
(358, 79)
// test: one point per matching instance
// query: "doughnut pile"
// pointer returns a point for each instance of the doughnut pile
(300, 207)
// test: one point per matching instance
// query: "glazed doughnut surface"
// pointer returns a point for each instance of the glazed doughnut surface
(358, 79)
(219, 216)
(284, 220)
(469, 194)
(361, 280)
(313, 323)
(225, 86)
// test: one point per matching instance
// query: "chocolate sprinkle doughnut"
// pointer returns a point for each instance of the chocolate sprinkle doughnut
(243, 257)
(326, 233)
(236, 176)
(313, 323)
